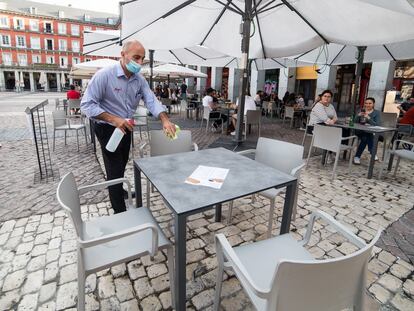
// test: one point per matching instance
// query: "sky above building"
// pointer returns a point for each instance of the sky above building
(108, 6)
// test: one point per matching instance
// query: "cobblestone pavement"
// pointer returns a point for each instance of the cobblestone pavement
(38, 245)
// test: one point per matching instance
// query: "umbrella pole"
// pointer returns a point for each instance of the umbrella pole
(358, 72)
(244, 67)
(151, 59)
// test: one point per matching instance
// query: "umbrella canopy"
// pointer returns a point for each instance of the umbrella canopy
(278, 28)
(42, 79)
(86, 70)
(173, 71)
(337, 54)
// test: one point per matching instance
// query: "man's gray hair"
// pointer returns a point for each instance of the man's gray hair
(126, 45)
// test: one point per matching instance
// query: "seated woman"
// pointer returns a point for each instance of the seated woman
(323, 112)
(372, 117)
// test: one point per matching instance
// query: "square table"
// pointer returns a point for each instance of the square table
(245, 177)
(376, 131)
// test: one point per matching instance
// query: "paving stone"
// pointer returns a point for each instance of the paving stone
(67, 258)
(390, 282)
(24, 248)
(54, 243)
(124, 289)
(68, 246)
(7, 226)
(409, 287)
(165, 299)
(36, 263)
(130, 305)
(28, 303)
(66, 296)
(20, 262)
(90, 283)
(160, 283)
(14, 280)
(47, 292)
(151, 303)
(156, 270)
(377, 266)
(387, 258)
(51, 271)
(68, 273)
(143, 288)
(400, 271)
(52, 255)
(111, 304)
(33, 282)
(39, 250)
(135, 270)
(106, 287)
(380, 293)
(91, 303)
(118, 270)
(402, 303)
(48, 306)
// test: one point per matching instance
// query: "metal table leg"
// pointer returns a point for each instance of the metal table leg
(288, 207)
(218, 213)
(180, 262)
(138, 186)
(373, 153)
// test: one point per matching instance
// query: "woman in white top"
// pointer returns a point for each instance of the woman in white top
(323, 111)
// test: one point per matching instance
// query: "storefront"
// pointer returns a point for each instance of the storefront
(306, 82)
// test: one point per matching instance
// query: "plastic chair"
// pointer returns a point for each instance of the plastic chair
(110, 240)
(290, 113)
(280, 155)
(74, 105)
(388, 119)
(307, 131)
(330, 138)
(160, 145)
(253, 117)
(399, 154)
(141, 120)
(206, 116)
(62, 122)
(281, 274)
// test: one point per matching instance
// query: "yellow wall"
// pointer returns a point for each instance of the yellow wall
(306, 73)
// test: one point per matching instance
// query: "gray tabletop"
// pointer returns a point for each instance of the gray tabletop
(246, 176)
(366, 128)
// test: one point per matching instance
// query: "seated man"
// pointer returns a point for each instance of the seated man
(249, 104)
(208, 103)
(405, 106)
(72, 93)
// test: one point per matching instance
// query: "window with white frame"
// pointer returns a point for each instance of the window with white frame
(36, 59)
(50, 59)
(34, 25)
(63, 61)
(63, 46)
(75, 29)
(62, 29)
(18, 23)
(4, 22)
(20, 41)
(5, 40)
(48, 27)
(7, 59)
(49, 44)
(35, 43)
(75, 60)
(22, 59)
(75, 46)
(87, 28)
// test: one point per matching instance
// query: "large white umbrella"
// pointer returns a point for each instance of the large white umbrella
(173, 71)
(42, 79)
(86, 70)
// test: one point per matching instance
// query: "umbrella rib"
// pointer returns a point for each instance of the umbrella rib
(303, 54)
(102, 47)
(278, 62)
(337, 55)
(255, 62)
(230, 61)
(290, 6)
(256, 5)
(260, 33)
(235, 8)
(392, 56)
(101, 41)
(172, 11)
(195, 54)
(176, 57)
(216, 21)
(263, 8)
(271, 8)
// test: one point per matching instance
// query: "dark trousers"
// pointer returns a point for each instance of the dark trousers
(115, 163)
(366, 139)
(216, 115)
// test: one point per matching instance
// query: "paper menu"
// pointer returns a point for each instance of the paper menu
(208, 176)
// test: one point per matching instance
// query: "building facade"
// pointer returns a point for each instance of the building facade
(39, 43)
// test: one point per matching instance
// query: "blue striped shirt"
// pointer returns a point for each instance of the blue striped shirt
(111, 91)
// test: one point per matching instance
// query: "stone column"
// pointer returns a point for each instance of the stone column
(326, 80)
(234, 83)
(32, 82)
(2, 81)
(216, 77)
(257, 81)
(16, 80)
(287, 79)
(382, 74)
(201, 82)
(46, 88)
(70, 81)
(58, 82)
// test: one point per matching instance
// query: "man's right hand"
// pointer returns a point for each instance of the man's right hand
(122, 124)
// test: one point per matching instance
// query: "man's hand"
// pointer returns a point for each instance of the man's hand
(122, 124)
(167, 125)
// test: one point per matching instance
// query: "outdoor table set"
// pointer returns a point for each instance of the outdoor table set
(184, 199)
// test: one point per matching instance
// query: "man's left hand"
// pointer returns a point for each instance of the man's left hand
(168, 127)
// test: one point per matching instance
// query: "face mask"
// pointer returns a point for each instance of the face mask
(133, 67)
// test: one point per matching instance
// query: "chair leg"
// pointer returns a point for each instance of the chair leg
(230, 212)
(148, 194)
(77, 138)
(253, 198)
(310, 152)
(303, 140)
(271, 212)
(350, 160)
(65, 137)
(171, 270)
(54, 131)
(219, 283)
(396, 166)
(86, 136)
(335, 164)
(383, 165)
(81, 285)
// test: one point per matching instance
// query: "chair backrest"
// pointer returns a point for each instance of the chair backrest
(289, 112)
(253, 116)
(327, 137)
(160, 144)
(266, 105)
(166, 101)
(388, 119)
(56, 103)
(68, 197)
(206, 113)
(278, 154)
(141, 116)
(321, 285)
(184, 104)
(59, 118)
(74, 103)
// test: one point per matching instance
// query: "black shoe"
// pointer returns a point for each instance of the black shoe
(126, 194)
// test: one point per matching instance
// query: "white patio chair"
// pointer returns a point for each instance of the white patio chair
(307, 131)
(290, 113)
(388, 119)
(280, 155)
(330, 138)
(62, 122)
(208, 118)
(253, 117)
(141, 120)
(281, 274)
(110, 240)
(160, 144)
(73, 105)
(399, 154)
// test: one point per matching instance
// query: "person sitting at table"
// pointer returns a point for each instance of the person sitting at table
(73, 94)
(258, 98)
(323, 112)
(249, 104)
(208, 103)
(372, 117)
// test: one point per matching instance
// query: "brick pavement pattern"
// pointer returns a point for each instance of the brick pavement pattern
(38, 245)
